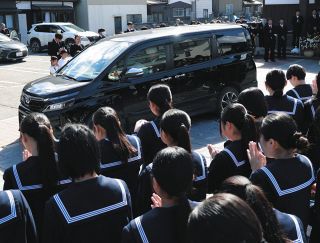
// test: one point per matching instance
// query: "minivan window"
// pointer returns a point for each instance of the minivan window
(191, 52)
(232, 41)
(73, 28)
(92, 61)
(42, 28)
(150, 60)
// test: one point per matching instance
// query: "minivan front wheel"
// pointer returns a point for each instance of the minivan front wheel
(35, 46)
(227, 96)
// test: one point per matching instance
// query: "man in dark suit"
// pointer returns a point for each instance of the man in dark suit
(313, 23)
(269, 41)
(130, 28)
(56, 45)
(297, 23)
(282, 39)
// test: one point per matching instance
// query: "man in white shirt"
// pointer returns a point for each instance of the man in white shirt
(64, 58)
(54, 65)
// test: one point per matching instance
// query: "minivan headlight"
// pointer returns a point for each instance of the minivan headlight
(60, 105)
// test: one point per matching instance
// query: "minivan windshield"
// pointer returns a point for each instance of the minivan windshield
(91, 62)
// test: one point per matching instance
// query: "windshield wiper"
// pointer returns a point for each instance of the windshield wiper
(67, 76)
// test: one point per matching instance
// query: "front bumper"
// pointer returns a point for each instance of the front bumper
(13, 54)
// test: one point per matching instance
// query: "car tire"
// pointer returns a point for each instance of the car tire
(227, 96)
(35, 46)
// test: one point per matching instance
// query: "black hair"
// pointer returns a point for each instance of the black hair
(78, 151)
(318, 85)
(161, 96)
(129, 23)
(58, 36)
(254, 196)
(177, 123)
(282, 128)
(276, 80)
(76, 36)
(101, 30)
(107, 118)
(224, 218)
(297, 71)
(254, 101)
(37, 126)
(239, 117)
(173, 170)
(53, 58)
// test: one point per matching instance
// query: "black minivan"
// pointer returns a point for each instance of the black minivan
(206, 66)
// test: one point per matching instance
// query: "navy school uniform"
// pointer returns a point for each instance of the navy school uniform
(95, 210)
(112, 166)
(151, 142)
(288, 105)
(301, 92)
(233, 160)
(311, 107)
(291, 226)
(26, 176)
(287, 184)
(16, 220)
(156, 226)
(197, 193)
(315, 233)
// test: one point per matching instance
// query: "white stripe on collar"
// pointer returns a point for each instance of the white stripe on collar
(203, 168)
(235, 161)
(32, 187)
(313, 111)
(289, 190)
(298, 230)
(73, 219)
(155, 128)
(293, 112)
(299, 97)
(13, 213)
(142, 234)
(132, 159)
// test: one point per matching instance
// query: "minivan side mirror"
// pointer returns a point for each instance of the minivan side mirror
(134, 73)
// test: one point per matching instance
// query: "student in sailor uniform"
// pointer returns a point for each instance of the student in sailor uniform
(315, 233)
(37, 176)
(277, 102)
(284, 175)
(313, 104)
(172, 173)
(296, 75)
(16, 220)
(224, 218)
(121, 154)
(175, 125)
(92, 209)
(277, 226)
(160, 100)
(239, 128)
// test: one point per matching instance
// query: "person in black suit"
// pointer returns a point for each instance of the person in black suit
(282, 39)
(130, 28)
(313, 23)
(269, 41)
(76, 47)
(297, 23)
(56, 45)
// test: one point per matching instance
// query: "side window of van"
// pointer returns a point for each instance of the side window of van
(150, 60)
(190, 52)
(232, 41)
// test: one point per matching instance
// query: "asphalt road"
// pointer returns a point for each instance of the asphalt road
(13, 76)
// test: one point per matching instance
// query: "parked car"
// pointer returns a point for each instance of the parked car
(206, 66)
(12, 49)
(40, 34)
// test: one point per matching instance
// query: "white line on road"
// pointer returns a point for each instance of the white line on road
(20, 70)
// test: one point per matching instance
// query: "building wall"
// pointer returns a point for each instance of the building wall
(204, 4)
(219, 6)
(81, 14)
(102, 16)
(117, 2)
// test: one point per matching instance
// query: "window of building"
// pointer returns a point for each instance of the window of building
(188, 12)
(150, 60)
(205, 13)
(178, 12)
(232, 41)
(134, 18)
(9, 21)
(190, 52)
(229, 8)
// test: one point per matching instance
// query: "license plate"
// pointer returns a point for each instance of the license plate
(19, 54)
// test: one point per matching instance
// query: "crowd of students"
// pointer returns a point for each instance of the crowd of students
(100, 184)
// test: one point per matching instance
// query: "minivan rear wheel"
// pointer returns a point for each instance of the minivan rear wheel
(227, 96)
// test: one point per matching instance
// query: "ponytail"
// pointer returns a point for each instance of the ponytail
(278, 93)
(238, 116)
(107, 118)
(283, 129)
(276, 80)
(38, 127)
(176, 124)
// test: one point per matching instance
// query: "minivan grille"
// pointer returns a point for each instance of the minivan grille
(33, 103)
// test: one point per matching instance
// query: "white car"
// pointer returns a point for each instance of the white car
(40, 34)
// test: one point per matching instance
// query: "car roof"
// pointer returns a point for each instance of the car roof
(138, 36)
(53, 23)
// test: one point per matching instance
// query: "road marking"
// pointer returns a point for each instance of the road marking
(25, 71)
